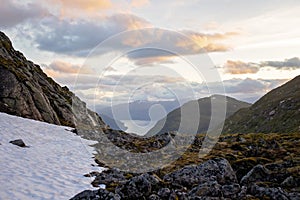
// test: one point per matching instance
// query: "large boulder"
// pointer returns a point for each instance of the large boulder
(100, 194)
(217, 169)
(137, 187)
(258, 174)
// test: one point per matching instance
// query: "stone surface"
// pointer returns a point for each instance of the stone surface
(258, 173)
(18, 142)
(137, 187)
(28, 92)
(269, 193)
(100, 194)
(213, 179)
(217, 169)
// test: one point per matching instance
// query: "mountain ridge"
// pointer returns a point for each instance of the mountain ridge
(172, 121)
(277, 111)
(28, 92)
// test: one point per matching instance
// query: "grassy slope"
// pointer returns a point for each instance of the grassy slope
(278, 111)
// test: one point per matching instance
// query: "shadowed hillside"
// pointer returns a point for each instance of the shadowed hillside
(173, 119)
(278, 111)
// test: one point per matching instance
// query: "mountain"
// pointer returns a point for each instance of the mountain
(28, 92)
(173, 119)
(113, 123)
(278, 111)
(139, 110)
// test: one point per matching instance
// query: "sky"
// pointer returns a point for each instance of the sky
(115, 51)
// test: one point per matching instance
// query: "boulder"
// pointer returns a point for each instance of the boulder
(137, 187)
(209, 189)
(258, 174)
(217, 169)
(268, 193)
(100, 194)
(18, 142)
(109, 177)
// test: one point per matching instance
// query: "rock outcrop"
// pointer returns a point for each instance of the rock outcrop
(214, 179)
(26, 91)
(241, 166)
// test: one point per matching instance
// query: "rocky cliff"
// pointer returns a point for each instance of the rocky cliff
(26, 91)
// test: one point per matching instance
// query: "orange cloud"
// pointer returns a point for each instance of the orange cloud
(130, 22)
(182, 43)
(239, 67)
(74, 8)
(59, 67)
(139, 3)
(153, 60)
(208, 42)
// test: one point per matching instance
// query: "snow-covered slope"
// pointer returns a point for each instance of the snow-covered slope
(51, 168)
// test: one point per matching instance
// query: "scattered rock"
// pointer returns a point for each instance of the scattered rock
(268, 193)
(258, 173)
(92, 174)
(217, 169)
(18, 142)
(208, 189)
(213, 179)
(100, 194)
(290, 182)
(271, 113)
(230, 190)
(137, 187)
(154, 197)
(164, 192)
(108, 177)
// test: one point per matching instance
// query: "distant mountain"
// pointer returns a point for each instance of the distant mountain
(113, 123)
(173, 119)
(26, 91)
(277, 111)
(139, 110)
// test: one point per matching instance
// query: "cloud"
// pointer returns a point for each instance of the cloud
(103, 89)
(139, 3)
(158, 45)
(79, 37)
(110, 69)
(12, 13)
(58, 67)
(206, 41)
(78, 8)
(89, 5)
(248, 85)
(292, 63)
(239, 67)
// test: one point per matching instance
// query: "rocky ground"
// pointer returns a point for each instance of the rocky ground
(247, 166)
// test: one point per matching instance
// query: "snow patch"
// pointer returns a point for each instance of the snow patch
(51, 168)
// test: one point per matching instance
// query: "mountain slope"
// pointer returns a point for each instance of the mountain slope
(277, 111)
(173, 119)
(113, 123)
(28, 92)
(138, 110)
